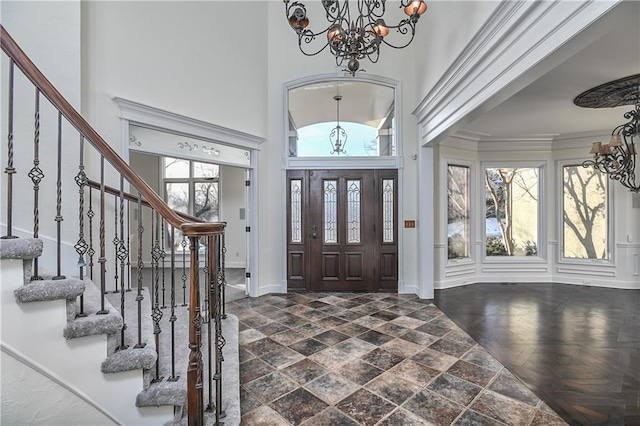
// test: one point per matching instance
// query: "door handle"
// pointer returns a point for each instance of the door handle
(314, 234)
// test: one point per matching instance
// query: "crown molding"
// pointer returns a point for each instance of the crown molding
(501, 53)
(159, 119)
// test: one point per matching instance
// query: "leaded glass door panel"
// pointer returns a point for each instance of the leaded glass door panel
(342, 230)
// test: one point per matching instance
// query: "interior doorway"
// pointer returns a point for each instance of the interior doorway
(342, 230)
(220, 194)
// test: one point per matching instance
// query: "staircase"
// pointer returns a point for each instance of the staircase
(108, 343)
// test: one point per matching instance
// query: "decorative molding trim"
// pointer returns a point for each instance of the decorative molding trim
(499, 54)
(629, 246)
(145, 139)
(586, 272)
(319, 78)
(479, 142)
(296, 163)
(517, 144)
(40, 369)
(515, 270)
(459, 272)
(147, 116)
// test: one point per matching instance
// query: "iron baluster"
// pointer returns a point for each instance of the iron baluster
(209, 264)
(207, 319)
(36, 176)
(139, 296)
(128, 246)
(91, 251)
(184, 271)
(58, 218)
(206, 313)
(156, 312)
(172, 318)
(116, 243)
(163, 254)
(10, 170)
(123, 254)
(220, 342)
(223, 274)
(194, 370)
(102, 259)
(81, 246)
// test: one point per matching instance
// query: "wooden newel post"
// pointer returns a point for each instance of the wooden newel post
(195, 401)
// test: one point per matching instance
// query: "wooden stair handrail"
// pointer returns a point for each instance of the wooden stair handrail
(130, 197)
(22, 61)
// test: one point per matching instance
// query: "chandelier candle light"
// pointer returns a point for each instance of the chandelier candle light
(618, 157)
(353, 39)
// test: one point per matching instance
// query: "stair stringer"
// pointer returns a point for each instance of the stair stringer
(35, 330)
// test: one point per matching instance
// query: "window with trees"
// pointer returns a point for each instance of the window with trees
(191, 187)
(457, 211)
(511, 203)
(584, 213)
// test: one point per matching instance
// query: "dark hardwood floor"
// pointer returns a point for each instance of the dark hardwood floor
(577, 348)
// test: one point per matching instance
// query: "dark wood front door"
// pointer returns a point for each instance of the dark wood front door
(342, 230)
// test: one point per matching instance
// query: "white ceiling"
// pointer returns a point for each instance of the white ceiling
(361, 103)
(546, 107)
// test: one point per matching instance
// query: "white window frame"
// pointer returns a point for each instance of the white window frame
(473, 210)
(541, 242)
(610, 222)
(191, 180)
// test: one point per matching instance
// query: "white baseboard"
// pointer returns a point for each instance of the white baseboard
(621, 285)
(271, 288)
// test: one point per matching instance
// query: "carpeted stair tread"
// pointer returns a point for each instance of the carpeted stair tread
(164, 393)
(20, 248)
(129, 359)
(92, 323)
(45, 290)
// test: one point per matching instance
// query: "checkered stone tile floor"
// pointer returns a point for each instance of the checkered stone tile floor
(370, 359)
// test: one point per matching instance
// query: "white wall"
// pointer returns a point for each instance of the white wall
(56, 405)
(185, 57)
(49, 33)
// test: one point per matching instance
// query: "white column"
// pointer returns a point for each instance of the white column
(426, 222)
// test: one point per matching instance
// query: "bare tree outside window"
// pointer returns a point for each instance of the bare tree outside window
(584, 213)
(191, 187)
(457, 212)
(511, 211)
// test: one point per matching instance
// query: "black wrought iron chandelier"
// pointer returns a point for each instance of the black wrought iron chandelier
(618, 157)
(352, 38)
(338, 136)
